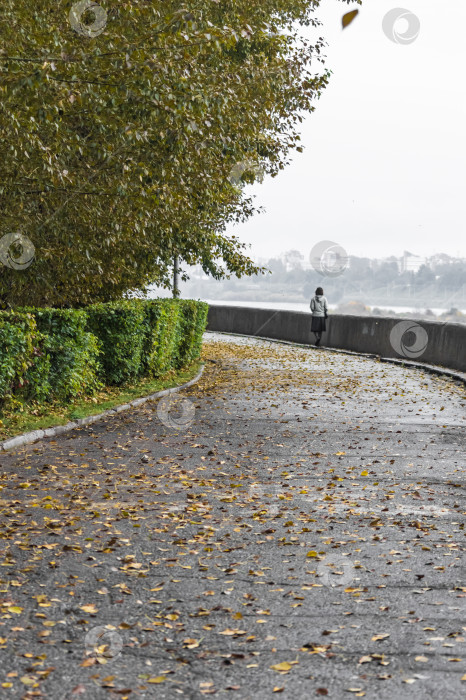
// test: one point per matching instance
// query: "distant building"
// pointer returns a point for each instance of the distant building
(440, 259)
(292, 259)
(410, 262)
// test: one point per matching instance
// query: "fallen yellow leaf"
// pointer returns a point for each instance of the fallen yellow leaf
(229, 632)
(15, 609)
(365, 659)
(283, 667)
(90, 608)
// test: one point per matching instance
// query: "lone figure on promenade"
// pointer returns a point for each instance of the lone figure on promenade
(319, 308)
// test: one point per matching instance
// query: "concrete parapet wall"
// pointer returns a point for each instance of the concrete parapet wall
(423, 341)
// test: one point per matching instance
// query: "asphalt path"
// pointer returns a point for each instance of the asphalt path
(291, 526)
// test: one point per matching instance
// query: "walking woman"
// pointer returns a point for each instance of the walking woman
(319, 308)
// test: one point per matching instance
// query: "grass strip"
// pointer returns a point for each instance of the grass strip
(39, 417)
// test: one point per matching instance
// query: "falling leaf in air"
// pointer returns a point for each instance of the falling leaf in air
(348, 18)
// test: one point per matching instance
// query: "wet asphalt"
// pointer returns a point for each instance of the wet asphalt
(291, 526)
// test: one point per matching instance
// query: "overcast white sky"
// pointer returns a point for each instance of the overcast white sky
(383, 169)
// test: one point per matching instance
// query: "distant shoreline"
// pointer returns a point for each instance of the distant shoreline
(416, 311)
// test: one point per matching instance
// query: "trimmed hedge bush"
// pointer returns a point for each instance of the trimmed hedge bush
(73, 353)
(162, 340)
(193, 322)
(18, 339)
(120, 328)
(60, 354)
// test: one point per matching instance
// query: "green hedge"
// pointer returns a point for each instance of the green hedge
(18, 340)
(193, 321)
(73, 353)
(61, 354)
(120, 328)
(162, 339)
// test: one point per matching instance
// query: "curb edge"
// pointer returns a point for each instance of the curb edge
(36, 435)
